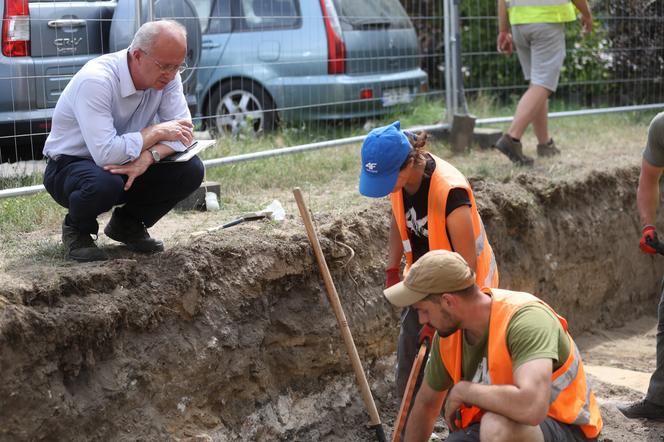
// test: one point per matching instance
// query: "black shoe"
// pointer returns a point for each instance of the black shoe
(643, 409)
(79, 246)
(513, 150)
(547, 149)
(133, 233)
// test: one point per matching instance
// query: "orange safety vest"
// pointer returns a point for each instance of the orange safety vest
(572, 401)
(445, 178)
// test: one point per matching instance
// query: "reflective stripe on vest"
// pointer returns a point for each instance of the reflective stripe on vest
(445, 178)
(540, 11)
(571, 401)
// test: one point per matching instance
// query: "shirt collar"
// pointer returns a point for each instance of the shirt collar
(127, 87)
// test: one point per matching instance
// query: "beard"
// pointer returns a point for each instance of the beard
(448, 331)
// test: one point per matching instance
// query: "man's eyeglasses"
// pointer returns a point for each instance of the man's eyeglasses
(168, 68)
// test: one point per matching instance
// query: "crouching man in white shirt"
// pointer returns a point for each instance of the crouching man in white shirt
(118, 116)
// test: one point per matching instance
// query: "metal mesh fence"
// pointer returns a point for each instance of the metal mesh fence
(621, 63)
(314, 70)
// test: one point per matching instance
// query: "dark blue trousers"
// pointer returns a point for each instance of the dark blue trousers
(87, 190)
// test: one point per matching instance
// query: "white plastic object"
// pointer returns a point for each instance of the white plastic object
(278, 212)
(211, 201)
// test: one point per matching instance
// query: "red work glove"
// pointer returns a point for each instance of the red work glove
(426, 333)
(391, 277)
(648, 232)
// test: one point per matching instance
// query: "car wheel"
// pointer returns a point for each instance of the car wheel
(239, 108)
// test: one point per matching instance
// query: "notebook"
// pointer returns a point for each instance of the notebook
(195, 147)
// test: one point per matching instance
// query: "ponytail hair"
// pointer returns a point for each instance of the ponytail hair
(417, 153)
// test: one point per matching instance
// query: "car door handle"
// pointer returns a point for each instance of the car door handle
(209, 44)
(66, 23)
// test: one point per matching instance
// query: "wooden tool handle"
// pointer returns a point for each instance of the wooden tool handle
(400, 423)
(338, 310)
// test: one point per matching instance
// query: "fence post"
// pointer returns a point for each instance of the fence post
(463, 124)
(150, 10)
(449, 105)
(138, 4)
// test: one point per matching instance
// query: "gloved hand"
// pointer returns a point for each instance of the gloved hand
(426, 333)
(392, 277)
(648, 232)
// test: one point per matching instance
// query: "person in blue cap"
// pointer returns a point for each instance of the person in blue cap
(433, 208)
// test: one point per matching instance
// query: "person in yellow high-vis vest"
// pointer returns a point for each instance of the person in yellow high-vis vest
(503, 366)
(538, 33)
(433, 207)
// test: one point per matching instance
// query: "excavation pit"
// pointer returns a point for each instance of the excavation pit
(231, 337)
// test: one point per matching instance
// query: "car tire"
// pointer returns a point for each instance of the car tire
(240, 107)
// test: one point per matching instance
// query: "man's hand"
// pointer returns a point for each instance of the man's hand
(648, 233)
(391, 277)
(133, 169)
(504, 43)
(587, 23)
(426, 333)
(175, 130)
(451, 406)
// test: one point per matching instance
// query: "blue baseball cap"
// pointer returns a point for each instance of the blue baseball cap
(383, 152)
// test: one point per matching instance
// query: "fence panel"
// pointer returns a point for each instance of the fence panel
(621, 63)
(298, 72)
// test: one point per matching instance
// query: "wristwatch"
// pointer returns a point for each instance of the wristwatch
(155, 155)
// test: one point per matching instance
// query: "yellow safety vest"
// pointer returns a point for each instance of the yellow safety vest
(540, 11)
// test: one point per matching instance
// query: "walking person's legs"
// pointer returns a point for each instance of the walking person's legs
(541, 51)
(541, 123)
(532, 108)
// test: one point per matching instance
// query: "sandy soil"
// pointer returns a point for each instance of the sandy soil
(229, 336)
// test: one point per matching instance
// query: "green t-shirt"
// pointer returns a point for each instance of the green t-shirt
(534, 332)
(654, 151)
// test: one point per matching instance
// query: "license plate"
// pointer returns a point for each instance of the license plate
(396, 96)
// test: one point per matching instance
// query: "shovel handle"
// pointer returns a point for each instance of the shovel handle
(400, 423)
(333, 297)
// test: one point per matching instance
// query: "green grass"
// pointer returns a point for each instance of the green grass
(331, 174)
(28, 213)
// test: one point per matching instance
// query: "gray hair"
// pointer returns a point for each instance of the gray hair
(148, 33)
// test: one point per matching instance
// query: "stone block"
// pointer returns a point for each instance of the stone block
(486, 137)
(196, 201)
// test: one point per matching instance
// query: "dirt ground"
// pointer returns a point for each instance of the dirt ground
(229, 336)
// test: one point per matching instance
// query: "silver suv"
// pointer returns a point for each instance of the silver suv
(298, 60)
(45, 43)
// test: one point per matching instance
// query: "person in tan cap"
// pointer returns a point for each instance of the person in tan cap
(503, 366)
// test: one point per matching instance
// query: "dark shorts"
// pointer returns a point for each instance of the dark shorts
(553, 431)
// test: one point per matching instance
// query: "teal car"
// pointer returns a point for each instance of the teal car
(264, 61)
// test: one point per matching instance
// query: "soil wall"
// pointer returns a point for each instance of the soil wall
(232, 337)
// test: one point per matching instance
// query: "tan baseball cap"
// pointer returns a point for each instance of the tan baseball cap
(438, 271)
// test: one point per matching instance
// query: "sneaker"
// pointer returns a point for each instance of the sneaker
(513, 150)
(80, 246)
(548, 149)
(643, 409)
(132, 233)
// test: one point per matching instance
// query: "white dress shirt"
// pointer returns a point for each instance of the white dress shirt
(100, 113)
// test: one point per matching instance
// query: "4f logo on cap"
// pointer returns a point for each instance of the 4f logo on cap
(371, 167)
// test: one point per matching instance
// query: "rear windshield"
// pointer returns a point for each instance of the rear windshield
(371, 14)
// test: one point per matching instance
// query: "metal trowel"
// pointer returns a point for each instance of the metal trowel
(274, 211)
